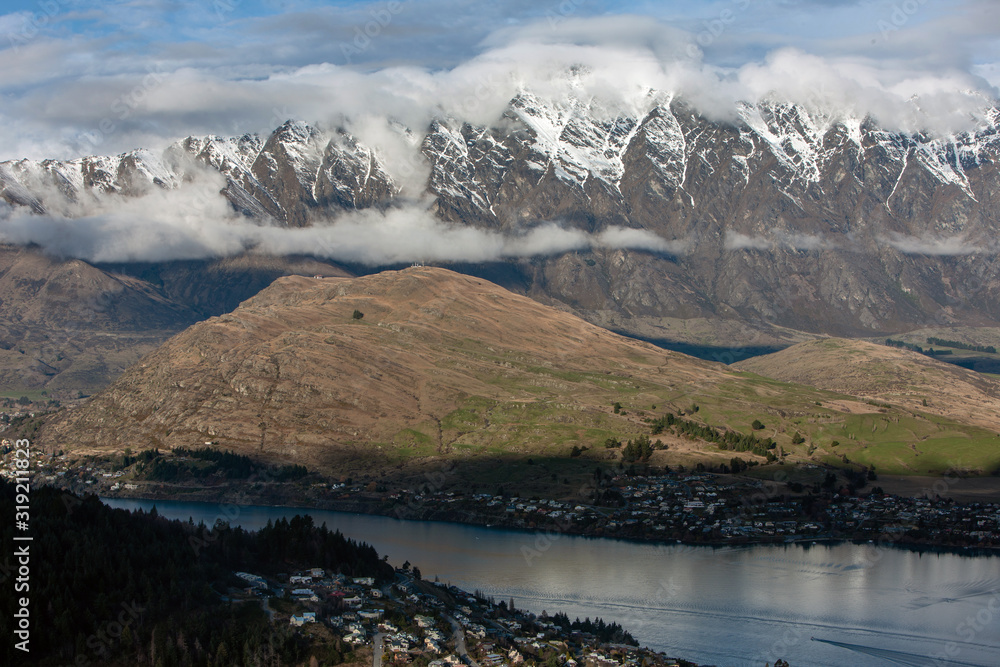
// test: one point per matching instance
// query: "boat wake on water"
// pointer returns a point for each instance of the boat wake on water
(898, 657)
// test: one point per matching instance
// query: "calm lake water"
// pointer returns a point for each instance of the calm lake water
(811, 605)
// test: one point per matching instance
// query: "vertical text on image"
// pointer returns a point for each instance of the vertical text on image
(22, 547)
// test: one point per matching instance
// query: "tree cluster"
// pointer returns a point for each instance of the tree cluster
(902, 344)
(132, 588)
(640, 449)
(611, 633)
(959, 345)
(725, 439)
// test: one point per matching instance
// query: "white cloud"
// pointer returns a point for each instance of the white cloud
(738, 241)
(911, 245)
(58, 89)
(778, 239)
(941, 102)
(801, 241)
(194, 221)
(640, 239)
(937, 245)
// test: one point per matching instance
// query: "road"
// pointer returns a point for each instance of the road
(377, 650)
(265, 603)
(460, 649)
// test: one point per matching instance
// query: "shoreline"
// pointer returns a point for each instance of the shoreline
(366, 507)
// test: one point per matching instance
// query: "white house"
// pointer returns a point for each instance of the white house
(305, 594)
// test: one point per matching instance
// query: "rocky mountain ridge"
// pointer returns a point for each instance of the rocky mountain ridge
(784, 217)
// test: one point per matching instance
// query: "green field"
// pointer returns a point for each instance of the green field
(553, 419)
(37, 395)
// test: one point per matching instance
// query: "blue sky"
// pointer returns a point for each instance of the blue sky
(440, 33)
(143, 72)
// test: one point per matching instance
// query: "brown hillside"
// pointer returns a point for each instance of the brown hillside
(878, 372)
(441, 363)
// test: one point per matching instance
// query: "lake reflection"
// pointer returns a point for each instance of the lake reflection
(724, 606)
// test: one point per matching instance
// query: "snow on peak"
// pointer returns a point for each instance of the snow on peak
(578, 143)
(794, 136)
(295, 131)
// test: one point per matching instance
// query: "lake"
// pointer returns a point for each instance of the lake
(818, 604)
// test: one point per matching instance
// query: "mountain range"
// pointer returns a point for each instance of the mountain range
(759, 230)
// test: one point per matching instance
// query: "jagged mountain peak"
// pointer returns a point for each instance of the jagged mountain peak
(575, 139)
(779, 180)
(297, 131)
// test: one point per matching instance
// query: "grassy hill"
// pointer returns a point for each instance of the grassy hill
(407, 368)
(936, 395)
(887, 374)
(975, 337)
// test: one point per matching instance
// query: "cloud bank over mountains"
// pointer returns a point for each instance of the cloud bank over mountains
(193, 221)
(83, 78)
(101, 78)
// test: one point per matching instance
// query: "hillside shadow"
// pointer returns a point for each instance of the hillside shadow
(984, 364)
(725, 354)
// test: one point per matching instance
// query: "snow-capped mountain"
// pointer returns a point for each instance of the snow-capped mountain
(806, 219)
(566, 161)
(591, 163)
(35, 184)
(297, 169)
